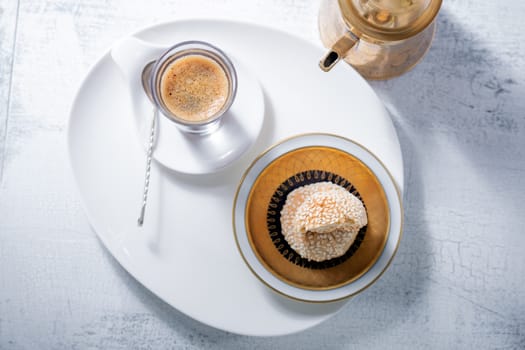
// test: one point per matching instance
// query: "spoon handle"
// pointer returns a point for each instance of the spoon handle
(140, 220)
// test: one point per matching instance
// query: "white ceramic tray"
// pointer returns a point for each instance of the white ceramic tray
(186, 252)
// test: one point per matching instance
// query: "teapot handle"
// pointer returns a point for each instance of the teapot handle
(338, 51)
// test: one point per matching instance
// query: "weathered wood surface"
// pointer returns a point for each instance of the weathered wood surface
(458, 280)
(8, 24)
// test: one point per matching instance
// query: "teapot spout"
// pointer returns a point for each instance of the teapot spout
(338, 50)
(329, 60)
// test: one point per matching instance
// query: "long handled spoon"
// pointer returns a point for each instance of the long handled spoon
(145, 84)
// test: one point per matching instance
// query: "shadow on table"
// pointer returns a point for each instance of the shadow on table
(464, 99)
(456, 63)
(465, 96)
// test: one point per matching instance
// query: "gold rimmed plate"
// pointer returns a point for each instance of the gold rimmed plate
(303, 160)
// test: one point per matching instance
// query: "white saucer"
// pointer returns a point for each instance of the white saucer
(186, 252)
(201, 154)
(391, 194)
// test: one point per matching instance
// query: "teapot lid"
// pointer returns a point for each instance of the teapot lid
(388, 20)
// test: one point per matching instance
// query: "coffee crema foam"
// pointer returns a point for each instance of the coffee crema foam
(194, 88)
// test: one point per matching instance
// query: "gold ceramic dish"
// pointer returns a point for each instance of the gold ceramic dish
(317, 163)
(297, 161)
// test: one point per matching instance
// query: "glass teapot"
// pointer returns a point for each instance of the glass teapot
(381, 39)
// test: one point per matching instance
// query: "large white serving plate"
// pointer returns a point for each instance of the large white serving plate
(186, 252)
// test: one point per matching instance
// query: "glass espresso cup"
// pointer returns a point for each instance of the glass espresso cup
(193, 84)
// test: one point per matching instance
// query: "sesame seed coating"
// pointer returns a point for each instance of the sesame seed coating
(321, 221)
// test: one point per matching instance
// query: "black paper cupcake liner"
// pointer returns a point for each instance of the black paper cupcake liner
(273, 217)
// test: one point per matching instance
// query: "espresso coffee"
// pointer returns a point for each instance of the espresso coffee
(194, 88)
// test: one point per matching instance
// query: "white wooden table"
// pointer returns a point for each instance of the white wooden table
(458, 280)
